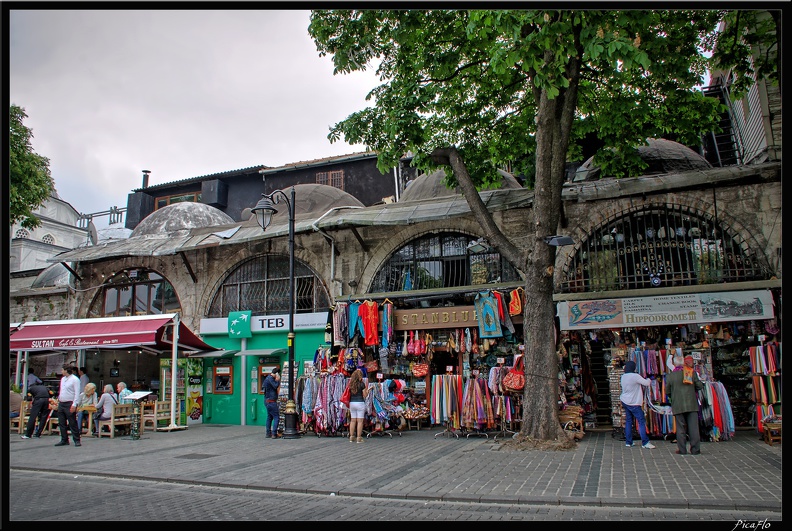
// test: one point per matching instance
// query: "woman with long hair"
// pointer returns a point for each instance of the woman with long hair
(358, 391)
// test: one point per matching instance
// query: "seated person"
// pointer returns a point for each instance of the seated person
(14, 404)
(87, 398)
(104, 407)
(123, 392)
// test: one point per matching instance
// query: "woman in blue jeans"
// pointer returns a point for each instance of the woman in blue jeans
(270, 389)
(632, 385)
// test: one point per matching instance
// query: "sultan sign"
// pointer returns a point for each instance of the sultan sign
(666, 310)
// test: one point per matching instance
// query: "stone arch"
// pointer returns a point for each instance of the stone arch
(309, 284)
(659, 244)
(381, 256)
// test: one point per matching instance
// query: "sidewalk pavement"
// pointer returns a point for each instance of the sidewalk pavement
(743, 473)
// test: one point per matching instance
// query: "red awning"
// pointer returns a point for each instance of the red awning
(155, 331)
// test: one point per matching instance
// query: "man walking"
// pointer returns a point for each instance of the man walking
(67, 406)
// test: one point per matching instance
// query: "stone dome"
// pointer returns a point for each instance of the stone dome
(662, 156)
(181, 216)
(430, 186)
(311, 199)
(54, 276)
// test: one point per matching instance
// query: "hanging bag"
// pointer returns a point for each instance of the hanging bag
(514, 380)
(411, 344)
(346, 396)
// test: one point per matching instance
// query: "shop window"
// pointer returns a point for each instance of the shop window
(262, 286)
(659, 247)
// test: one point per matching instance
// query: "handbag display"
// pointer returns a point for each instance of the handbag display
(515, 379)
(420, 370)
(346, 396)
(372, 366)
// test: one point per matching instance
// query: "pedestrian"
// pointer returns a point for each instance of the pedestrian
(104, 407)
(83, 378)
(87, 398)
(631, 397)
(123, 392)
(270, 388)
(14, 404)
(39, 410)
(32, 378)
(67, 406)
(682, 387)
(358, 392)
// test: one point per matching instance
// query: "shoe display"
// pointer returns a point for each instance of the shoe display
(649, 446)
(25, 437)
(62, 443)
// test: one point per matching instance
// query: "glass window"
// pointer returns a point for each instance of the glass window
(135, 292)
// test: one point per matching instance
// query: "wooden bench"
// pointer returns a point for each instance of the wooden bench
(153, 412)
(772, 432)
(121, 415)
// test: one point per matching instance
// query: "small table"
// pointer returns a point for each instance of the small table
(91, 410)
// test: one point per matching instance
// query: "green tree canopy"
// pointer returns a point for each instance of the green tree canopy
(30, 182)
(470, 90)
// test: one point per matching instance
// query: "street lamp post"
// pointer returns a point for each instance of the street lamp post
(264, 210)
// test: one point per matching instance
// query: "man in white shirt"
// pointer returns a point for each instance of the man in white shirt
(67, 406)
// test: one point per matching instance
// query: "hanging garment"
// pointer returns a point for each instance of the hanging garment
(369, 318)
(487, 314)
(387, 323)
(355, 322)
(340, 324)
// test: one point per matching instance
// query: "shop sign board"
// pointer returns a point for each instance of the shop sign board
(661, 310)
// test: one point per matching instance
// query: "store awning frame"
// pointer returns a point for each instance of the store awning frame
(143, 331)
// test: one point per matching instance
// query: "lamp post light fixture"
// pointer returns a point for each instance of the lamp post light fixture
(558, 241)
(264, 210)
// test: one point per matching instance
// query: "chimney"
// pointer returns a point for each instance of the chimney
(145, 178)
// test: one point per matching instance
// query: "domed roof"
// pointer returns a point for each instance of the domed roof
(55, 275)
(430, 186)
(181, 216)
(662, 156)
(312, 199)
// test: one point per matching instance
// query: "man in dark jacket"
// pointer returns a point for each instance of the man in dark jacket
(270, 388)
(681, 388)
(38, 410)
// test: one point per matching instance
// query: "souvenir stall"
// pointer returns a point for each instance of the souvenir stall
(733, 336)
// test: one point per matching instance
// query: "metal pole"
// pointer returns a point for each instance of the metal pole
(290, 412)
